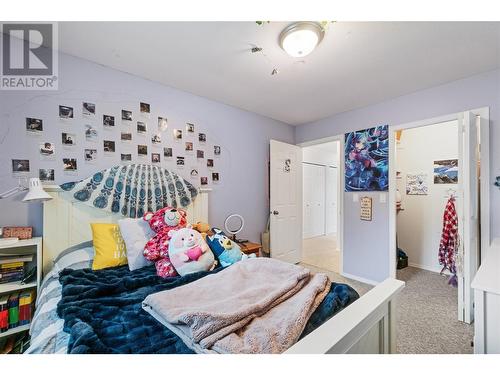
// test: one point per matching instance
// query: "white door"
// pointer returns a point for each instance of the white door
(286, 201)
(331, 199)
(468, 166)
(314, 200)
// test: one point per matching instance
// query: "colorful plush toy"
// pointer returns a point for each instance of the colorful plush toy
(203, 228)
(227, 252)
(188, 251)
(156, 249)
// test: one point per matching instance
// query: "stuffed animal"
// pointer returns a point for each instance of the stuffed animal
(227, 252)
(203, 228)
(188, 251)
(156, 249)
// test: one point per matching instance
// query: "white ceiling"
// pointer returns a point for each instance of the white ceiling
(357, 63)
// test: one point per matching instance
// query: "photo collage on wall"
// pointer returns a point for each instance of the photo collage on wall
(127, 135)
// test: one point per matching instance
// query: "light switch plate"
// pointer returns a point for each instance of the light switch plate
(355, 197)
(383, 198)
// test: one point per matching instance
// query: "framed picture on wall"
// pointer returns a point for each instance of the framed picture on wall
(141, 127)
(145, 108)
(65, 112)
(446, 171)
(34, 125)
(108, 120)
(126, 115)
(46, 175)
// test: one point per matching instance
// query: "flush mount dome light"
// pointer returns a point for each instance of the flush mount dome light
(300, 38)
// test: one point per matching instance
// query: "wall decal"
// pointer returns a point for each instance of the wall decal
(167, 152)
(446, 171)
(46, 174)
(202, 137)
(416, 184)
(180, 161)
(108, 120)
(177, 134)
(288, 165)
(497, 182)
(109, 146)
(194, 172)
(90, 155)
(189, 146)
(70, 164)
(215, 177)
(162, 124)
(200, 154)
(34, 125)
(217, 150)
(204, 181)
(145, 107)
(155, 158)
(65, 112)
(210, 163)
(189, 127)
(367, 159)
(142, 150)
(68, 139)
(141, 127)
(20, 165)
(126, 136)
(90, 133)
(156, 139)
(88, 109)
(47, 149)
(126, 157)
(126, 115)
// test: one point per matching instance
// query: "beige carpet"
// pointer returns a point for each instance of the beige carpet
(427, 316)
(321, 252)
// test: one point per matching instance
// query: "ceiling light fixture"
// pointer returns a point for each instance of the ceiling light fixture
(300, 38)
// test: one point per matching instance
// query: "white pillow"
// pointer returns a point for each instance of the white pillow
(135, 233)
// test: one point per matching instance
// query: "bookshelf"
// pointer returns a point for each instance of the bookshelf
(32, 246)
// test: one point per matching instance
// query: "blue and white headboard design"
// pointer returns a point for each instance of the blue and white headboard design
(111, 195)
(132, 190)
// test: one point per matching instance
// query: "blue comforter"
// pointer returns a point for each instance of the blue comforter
(102, 310)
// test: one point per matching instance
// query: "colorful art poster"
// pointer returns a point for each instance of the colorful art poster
(446, 171)
(367, 159)
(416, 184)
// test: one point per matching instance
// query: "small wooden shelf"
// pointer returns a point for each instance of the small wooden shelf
(13, 331)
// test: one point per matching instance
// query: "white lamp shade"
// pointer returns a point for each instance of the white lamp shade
(36, 192)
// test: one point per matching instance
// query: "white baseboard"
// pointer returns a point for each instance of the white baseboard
(428, 268)
(360, 279)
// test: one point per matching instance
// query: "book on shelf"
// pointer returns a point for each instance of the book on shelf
(4, 313)
(7, 266)
(13, 305)
(26, 301)
(9, 275)
(9, 259)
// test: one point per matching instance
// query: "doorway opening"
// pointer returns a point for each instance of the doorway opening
(320, 209)
(428, 183)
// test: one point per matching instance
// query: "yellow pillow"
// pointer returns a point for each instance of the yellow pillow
(110, 250)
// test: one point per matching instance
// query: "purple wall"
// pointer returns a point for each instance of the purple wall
(365, 245)
(243, 136)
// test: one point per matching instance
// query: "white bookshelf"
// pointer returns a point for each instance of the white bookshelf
(33, 246)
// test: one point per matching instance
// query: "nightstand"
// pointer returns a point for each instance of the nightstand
(251, 248)
(31, 247)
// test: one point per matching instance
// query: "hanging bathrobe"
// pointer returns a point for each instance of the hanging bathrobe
(449, 240)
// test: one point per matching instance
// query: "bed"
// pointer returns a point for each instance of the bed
(365, 326)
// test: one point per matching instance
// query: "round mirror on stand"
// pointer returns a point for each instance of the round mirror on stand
(233, 225)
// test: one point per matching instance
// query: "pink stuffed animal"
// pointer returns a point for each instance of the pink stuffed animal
(156, 249)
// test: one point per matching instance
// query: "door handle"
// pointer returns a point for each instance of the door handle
(276, 212)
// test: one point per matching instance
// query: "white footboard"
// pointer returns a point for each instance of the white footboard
(367, 326)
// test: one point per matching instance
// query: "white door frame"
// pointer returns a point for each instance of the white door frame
(484, 113)
(340, 191)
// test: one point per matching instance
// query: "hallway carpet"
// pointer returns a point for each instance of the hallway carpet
(427, 316)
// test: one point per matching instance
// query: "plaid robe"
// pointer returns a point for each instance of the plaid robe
(449, 238)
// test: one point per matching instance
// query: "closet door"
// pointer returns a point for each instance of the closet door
(314, 200)
(308, 194)
(331, 206)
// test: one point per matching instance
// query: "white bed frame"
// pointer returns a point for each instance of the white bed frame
(366, 326)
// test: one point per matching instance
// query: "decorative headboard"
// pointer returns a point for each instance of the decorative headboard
(66, 222)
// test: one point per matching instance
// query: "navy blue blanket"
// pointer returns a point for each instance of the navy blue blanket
(102, 310)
